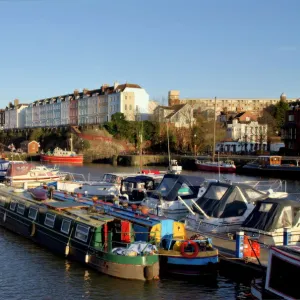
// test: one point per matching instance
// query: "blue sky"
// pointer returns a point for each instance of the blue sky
(223, 48)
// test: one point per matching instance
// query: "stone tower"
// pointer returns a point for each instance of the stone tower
(173, 97)
(283, 97)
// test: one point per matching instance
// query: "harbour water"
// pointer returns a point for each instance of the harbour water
(31, 272)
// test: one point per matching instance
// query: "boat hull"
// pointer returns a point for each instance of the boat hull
(78, 159)
(274, 171)
(174, 263)
(208, 168)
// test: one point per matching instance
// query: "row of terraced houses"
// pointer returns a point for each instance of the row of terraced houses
(86, 107)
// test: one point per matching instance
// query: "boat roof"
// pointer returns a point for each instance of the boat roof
(141, 178)
(273, 213)
(172, 183)
(295, 250)
(192, 180)
(268, 156)
(63, 204)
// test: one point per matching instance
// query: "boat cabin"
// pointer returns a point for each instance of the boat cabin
(269, 160)
(281, 281)
(224, 200)
(135, 188)
(114, 178)
(268, 219)
(173, 185)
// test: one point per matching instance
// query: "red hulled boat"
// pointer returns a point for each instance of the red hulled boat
(220, 166)
(62, 156)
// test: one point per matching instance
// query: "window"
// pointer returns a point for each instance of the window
(21, 209)
(32, 214)
(291, 118)
(49, 220)
(215, 192)
(82, 232)
(125, 106)
(3, 200)
(130, 107)
(184, 190)
(13, 205)
(65, 226)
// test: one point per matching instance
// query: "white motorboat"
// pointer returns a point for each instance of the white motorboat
(271, 216)
(174, 196)
(22, 172)
(223, 207)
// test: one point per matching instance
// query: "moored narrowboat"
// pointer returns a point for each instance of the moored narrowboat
(78, 232)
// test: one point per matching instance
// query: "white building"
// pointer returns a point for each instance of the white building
(15, 115)
(248, 137)
(129, 99)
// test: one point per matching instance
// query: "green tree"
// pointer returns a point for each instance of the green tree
(280, 110)
(36, 134)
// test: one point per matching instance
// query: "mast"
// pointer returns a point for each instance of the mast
(168, 146)
(141, 141)
(214, 140)
(71, 143)
(141, 152)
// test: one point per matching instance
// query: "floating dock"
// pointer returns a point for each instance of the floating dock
(231, 261)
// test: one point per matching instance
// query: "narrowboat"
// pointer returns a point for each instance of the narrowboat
(78, 232)
(178, 255)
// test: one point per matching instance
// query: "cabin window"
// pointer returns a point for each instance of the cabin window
(185, 190)
(166, 186)
(13, 206)
(265, 207)
(3, 200)
(252, 194)
(32, 214)
(49, 220)
(127, 187)
(216, 192)
(235, 205)
(82, 232)
(65, 226)
(21, 209)
(285, 219)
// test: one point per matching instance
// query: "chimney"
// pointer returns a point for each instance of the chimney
(104, 87)
(16, 102)
(116, 83)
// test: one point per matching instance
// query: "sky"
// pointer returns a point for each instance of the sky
(222, 48)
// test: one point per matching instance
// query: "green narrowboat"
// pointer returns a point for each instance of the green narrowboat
(78, 232)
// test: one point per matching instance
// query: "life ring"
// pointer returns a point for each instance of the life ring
(32, 174)
(186, 254)
(32, 229)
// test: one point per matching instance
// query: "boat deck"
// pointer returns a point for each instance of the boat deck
(226, 249)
